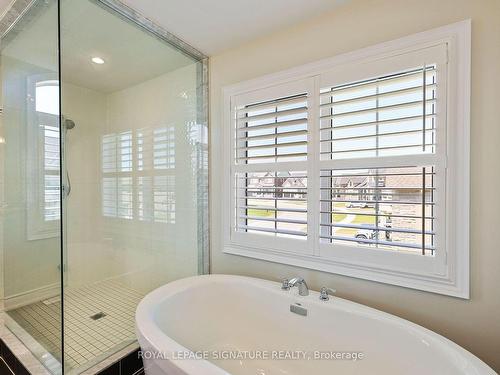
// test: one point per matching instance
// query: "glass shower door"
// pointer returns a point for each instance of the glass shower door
(103, 166)
(136, 159)
(30, 182)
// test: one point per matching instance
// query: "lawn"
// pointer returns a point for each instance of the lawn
(259, 213)
(364, 219)
(338, 217)
(357, 220)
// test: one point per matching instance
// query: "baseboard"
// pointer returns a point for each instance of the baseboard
(25, 298)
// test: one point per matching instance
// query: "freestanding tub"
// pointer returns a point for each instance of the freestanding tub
(218, 324)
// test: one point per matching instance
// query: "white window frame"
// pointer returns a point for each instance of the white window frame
(446, 273)
(37, 226)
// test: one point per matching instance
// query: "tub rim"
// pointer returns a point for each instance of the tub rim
(149, 331)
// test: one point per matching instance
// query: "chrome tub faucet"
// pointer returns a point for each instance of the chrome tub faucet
(301, 284)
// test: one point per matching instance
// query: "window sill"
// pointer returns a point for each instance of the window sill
(439, 285)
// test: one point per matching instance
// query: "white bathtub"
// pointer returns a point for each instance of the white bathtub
(221, 324)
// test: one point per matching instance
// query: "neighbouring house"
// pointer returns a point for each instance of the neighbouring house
(284, 185)
(395, 192)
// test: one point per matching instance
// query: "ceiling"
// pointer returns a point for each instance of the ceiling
(213, 26)
(131, 56)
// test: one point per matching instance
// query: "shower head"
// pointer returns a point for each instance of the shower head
(69, 124)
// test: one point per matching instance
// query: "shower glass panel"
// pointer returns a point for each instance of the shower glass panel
(103, 159)
(134, 154)
(30, 182)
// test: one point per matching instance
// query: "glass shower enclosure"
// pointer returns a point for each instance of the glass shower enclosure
(103, 173)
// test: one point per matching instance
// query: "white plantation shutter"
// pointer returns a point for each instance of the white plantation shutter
(357, 167)
(374, 161)
(382, 116)
(272, 131)
(270, 163)
(269, 203)
(388, 206)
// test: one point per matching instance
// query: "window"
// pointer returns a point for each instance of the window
(138, 175)
(358, 166)
(43, 158)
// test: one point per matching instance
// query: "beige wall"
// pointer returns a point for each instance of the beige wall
(474, 323)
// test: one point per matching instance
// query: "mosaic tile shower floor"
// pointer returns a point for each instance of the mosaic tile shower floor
(85, 337)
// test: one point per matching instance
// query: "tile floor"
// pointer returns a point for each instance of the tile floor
(85, 338)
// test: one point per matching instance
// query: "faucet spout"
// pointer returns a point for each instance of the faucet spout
(301, 284)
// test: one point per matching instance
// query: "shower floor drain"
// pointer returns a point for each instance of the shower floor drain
(97, 316)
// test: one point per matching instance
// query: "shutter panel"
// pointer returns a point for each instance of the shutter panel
(385, 116)
(389, 206)
(273, 131)
(272, 203)
(271, 139)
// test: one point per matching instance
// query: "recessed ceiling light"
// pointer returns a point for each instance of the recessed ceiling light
(97, 60)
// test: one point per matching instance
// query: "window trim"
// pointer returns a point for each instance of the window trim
(453, 278)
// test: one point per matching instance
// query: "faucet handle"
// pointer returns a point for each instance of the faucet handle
(285, 284)
(325, 293)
